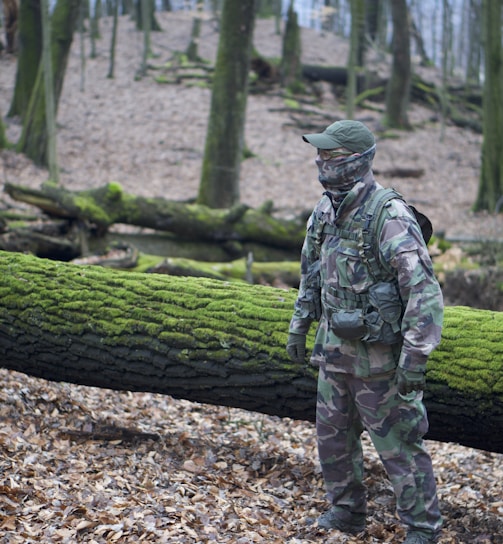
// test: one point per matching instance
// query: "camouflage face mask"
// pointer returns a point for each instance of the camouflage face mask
(340, 176)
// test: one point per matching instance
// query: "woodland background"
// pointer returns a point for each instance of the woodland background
(87, 465)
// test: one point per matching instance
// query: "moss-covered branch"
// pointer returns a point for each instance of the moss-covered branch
(109, 204)
(217, 342)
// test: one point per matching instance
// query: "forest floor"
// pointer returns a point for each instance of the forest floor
(79, 464)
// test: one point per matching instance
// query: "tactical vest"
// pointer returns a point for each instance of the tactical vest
(375, 315)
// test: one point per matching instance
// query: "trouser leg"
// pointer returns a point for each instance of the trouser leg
(396, 428)
(338, 429)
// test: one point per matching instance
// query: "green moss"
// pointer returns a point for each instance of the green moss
(292, 103)
(470, 355)
(91, 209)
(114, 191)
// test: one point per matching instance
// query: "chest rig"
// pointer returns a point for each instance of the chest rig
(373, 315)
(363, 230)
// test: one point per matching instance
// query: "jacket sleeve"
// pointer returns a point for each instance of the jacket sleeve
(307, 307)
(403, 248)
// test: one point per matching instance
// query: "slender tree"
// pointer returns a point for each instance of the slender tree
(82, 16)
(490, 193)
(146, 22)
(33, 140)
(113, 40)
(30, 50)
(292, 48)
(94, 25)
(219, 185)
(193, 47)
(446, 52)
(149, 13)
(50, 114)
(372, 9)
(474, 48)
(3, 138)
(10, 21)
(355, 59)
(398, 90)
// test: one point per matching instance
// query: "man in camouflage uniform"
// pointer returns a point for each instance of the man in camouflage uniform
(370, 378)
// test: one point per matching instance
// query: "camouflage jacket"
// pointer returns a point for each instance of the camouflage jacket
(329, 264)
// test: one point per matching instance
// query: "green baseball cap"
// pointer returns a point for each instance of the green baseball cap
(352, 135)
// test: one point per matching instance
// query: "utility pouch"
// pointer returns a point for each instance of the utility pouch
(348, 324)
(384, 314)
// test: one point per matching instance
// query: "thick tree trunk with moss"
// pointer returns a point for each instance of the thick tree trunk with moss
(219, 343)
(108, 205)
(33, 140)
(219, 185)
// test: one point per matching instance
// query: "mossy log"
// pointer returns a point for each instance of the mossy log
(282, 273)
(218, 342)
(107, 205)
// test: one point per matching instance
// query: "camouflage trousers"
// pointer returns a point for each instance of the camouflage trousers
(346, 406)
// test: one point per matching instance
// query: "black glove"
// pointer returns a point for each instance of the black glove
(408, 381)
(296, 347)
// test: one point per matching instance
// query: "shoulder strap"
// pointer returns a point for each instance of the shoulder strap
(371, 215)
(370, 225)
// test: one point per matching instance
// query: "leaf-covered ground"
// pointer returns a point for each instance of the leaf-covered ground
(81, 464)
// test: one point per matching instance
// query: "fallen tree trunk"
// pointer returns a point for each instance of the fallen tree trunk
(107, 205)
(217, 342)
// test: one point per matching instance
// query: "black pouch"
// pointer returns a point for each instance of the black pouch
(348, 324)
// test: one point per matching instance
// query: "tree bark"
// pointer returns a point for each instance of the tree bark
(490, 191)
(398, 90)
(30, 50)
(219, 185)
(33, 140)
(107, 205)
(10, 16)
(290, 68)
(219, 343)
(3, 138)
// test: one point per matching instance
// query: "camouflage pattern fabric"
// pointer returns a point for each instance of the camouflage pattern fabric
(346, 405)
(333, 275)
(356, 387)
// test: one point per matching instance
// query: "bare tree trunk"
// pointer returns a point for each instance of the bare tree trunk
(473, 63)
(3, 138)
(113, 40)
(219, 185)
(11, 13)
(193, 47)
(50, 114)
(219, 343)
(30, 51)
(490, 193)
(292, 49)
(94, 26)
(355, 54)
(33, 140)
(398, 90)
